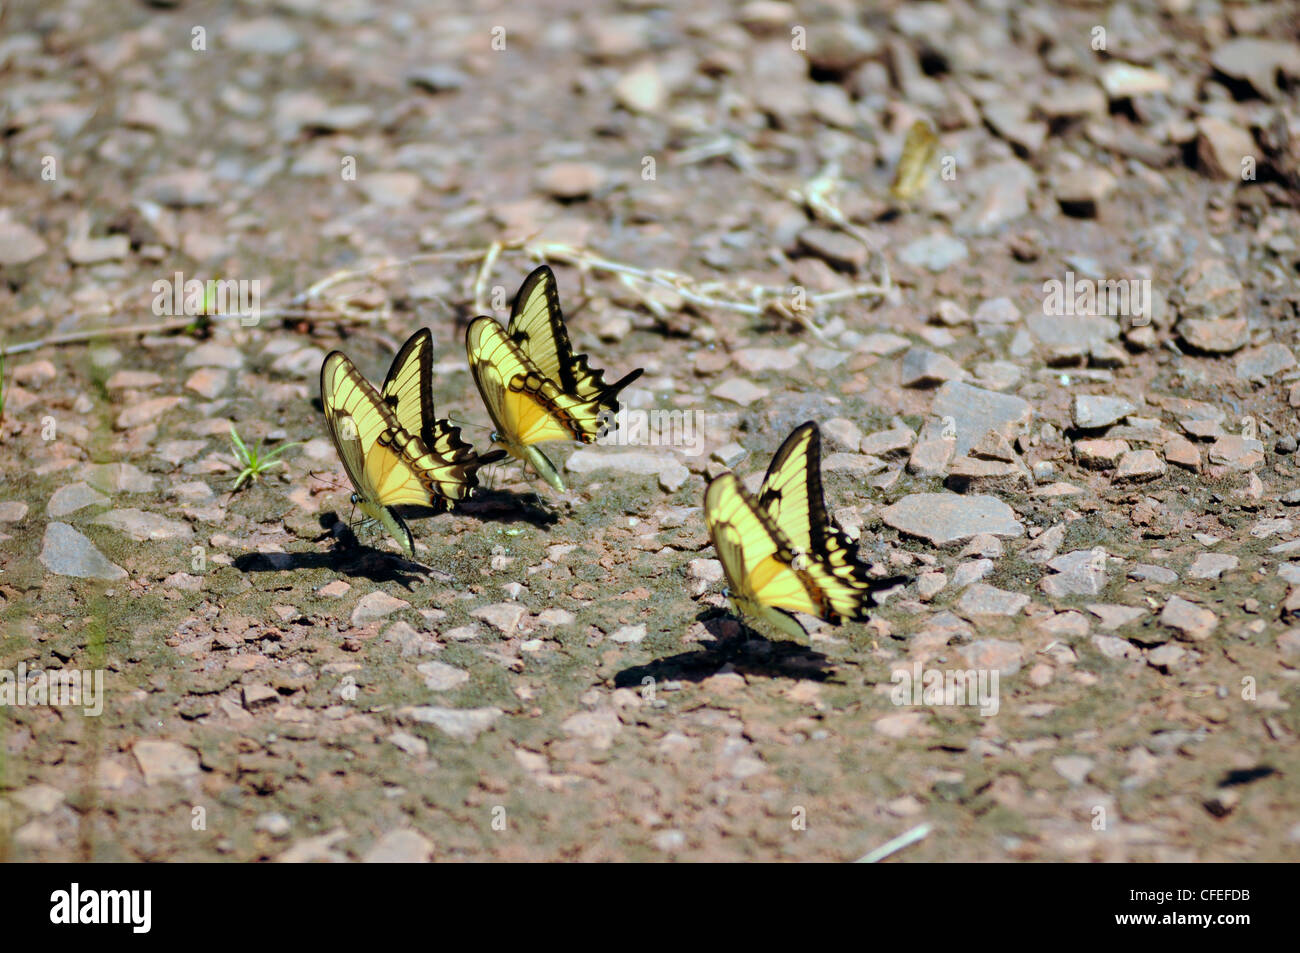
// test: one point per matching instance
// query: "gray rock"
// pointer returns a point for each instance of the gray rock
(1090, 411)
(976, 411)
(142, 525)
(1262, 363)
(946, 519)
(923, 368)
(935, 252)
(68, 553)
(464, 724)
(74, 496)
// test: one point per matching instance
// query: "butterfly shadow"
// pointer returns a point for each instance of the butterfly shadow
(736, 644)
(500, 506)
(348, 557)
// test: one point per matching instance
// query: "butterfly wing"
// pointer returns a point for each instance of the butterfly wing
(408, 393)
(916, 164)
(757, 562)
(537, 328)
(791, 496)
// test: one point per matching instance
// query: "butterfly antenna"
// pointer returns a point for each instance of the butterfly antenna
(464, 424)
(329, 483)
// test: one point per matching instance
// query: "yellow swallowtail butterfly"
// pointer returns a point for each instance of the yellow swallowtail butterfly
(395, 450)
(780, 552)
(535, 388)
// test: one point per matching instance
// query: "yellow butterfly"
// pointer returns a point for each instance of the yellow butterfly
(395, 450)
(916, 164)
(535, 388)
(781, 553)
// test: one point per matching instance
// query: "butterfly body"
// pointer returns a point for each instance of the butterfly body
(535, 388)
(780, 552)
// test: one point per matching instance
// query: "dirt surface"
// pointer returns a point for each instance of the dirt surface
(558, 676)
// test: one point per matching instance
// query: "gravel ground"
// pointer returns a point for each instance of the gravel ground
(1092, 494)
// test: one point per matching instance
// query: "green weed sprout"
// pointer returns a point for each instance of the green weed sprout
(253, 462)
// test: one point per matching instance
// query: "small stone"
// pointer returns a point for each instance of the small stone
(402, 846)
(983, 599)
(642, 90)
(1237, 452)
(740, 391)
(628, 634)
(1074, 768)
(1139, 466)
(886, 442)
(1125, 81)
(67, 552)
(1220, 147)
(463, 724)
(1259, 364)
(673, 477)
(936, 252)
(441, 677)
(165, 761)
(1116, 648)
(1090, 411)
(503, 616)
(1100, 454)
(570, 180)
(259, 696)
(1166, 657)
(1212, 565)
(923, 368)
(374, 606)
(1191, 622)
(19, 245)
(835, 247)
(145, 412)
(1000, 654)
(1209, 290)
(945, 519)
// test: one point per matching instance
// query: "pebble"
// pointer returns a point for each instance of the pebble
(95, 251)
(1091, 412)
(1000, 654)
(401, 846)
(935, 252)
(145, 412)
(1257, 61)
(835, 247)
(1212, 565)
(982, 599)
(19, 244)
(1100, 454)
(1191, 622)
(641, 90)
(925, 368)
(66, 552)
(391, 189)
(1209, 290)
(463, 724)
(570, 180)
(374, 606)
(886, 442)
(628, 634)
(13, 511)
(1221, 146)
(162, 761)
(976, 411)
(502, 616)
(1074, 768)
(270, 35)
(740, 391)
(1264, 362)
(441, 677)
(946, 519)
(1139, 466)
(1214, 337)
(1125, 81)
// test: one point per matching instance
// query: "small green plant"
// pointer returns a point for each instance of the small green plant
(253, 462)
